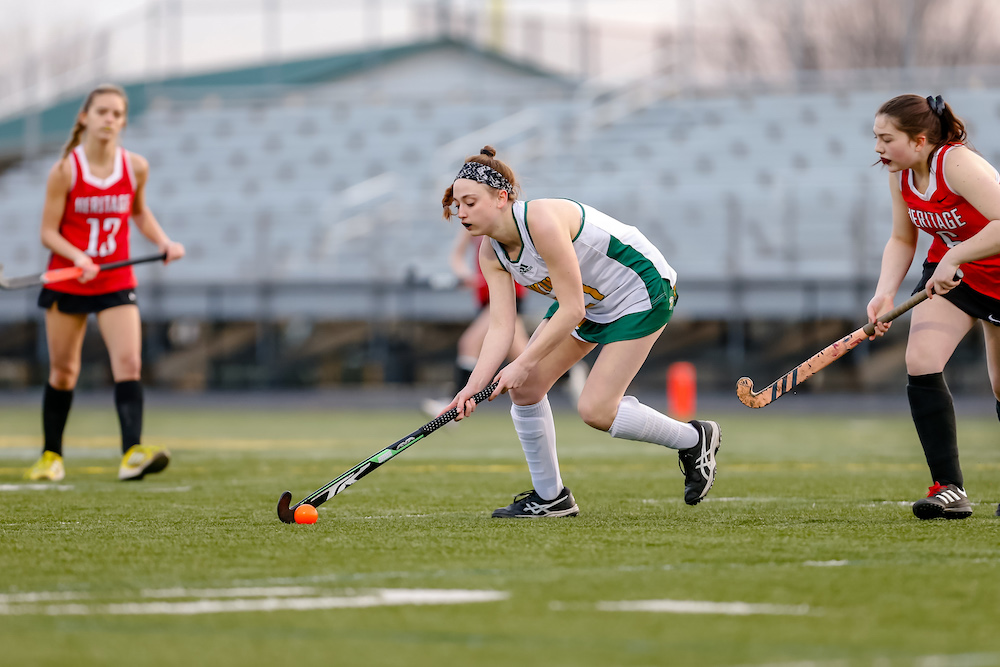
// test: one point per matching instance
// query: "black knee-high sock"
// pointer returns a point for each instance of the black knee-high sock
(998, 409)
(55, 410)
(462, 376)
(128, 400)
(934, 416)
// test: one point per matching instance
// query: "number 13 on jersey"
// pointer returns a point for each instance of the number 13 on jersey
(110, 245)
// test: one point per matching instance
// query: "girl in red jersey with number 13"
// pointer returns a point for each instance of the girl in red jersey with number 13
(91, 193)
(942, 187)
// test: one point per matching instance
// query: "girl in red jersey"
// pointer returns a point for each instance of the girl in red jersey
(91, 193)
(942, 187)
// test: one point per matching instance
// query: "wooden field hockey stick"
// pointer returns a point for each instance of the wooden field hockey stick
(69, 273)
(819, 361)
(286, 511)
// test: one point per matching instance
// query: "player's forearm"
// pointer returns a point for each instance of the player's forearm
(148, 226)
(496, 344)
(57, 243)
(896, 260)
(984, 244)
(558, 328)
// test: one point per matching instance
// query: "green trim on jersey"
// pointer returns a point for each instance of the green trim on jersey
(526, 228)
(628, 327)
(628, 256)
(583, 219)
(518, 228)
(502, 266)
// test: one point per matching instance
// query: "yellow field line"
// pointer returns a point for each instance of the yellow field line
(83, 470)
(254, 444)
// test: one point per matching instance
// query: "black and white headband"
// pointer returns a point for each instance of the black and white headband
(485, 174)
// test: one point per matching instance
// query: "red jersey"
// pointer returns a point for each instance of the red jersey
(95, 220)
(950, 219)
(483, 290)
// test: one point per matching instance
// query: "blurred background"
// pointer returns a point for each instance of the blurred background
(299, 150)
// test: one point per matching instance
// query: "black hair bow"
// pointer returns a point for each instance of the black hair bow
(937, 104)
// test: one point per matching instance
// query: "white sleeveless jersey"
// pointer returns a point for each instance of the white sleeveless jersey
(618, 265)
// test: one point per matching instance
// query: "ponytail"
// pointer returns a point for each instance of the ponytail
(74, 139)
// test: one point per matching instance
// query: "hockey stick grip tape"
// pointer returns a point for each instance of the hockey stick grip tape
(897, 311)
(446, 417)
(485, 393)
(905, 306)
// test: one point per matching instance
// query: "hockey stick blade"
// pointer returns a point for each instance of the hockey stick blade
(286, 511)
(817, 362)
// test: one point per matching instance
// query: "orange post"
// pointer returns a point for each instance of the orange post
(682, 390)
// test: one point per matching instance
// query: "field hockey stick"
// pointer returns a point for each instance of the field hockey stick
(68, 273)
(287, 513)
(819, 361)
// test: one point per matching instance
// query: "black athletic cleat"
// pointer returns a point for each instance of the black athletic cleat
(947, 502)
(998, 510)
(698, 463)
(530, 505)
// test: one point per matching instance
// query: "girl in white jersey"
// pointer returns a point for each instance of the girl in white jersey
(612, 287)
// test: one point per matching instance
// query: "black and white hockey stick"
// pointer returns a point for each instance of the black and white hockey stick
(286, 511)
(68, 273)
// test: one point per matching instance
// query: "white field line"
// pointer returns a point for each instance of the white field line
(272, 591)
(42, 596)
(166, 489)
(35, 487)
(826, 563)
(704, 607)
(376, 598)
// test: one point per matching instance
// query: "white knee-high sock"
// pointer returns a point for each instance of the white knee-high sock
(636, 421)
(537, 433)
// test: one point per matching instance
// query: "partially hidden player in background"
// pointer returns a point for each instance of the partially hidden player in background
(91, 193)
(471, 341)
(612, 287)
(940, 186)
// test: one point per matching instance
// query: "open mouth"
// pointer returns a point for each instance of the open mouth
(885, 160)
(467, 225)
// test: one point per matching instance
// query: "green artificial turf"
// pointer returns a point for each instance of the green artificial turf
(809, 514)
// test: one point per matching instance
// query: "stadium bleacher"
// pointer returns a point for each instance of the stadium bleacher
(339, 181)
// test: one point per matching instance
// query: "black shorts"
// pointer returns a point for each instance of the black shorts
(76, 304)
(968, 300)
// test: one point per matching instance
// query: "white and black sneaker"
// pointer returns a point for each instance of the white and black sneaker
(530, 505)
(698, 462)
(947, 502)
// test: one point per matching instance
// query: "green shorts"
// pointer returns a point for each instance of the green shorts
(628, 327)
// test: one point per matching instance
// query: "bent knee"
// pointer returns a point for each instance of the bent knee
(526, 396)
(63, 380)
(127, 368)
(63, 375)
(595, 414)
(919, 362)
